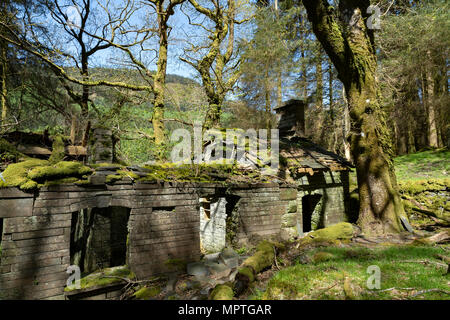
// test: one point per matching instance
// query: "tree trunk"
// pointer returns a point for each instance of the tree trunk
(73, 128)
(160, 77)
(279, 89)
(267, 99)
(212, 118)
(432, 127)
(346, 128)
(304, 80)
(352, 50)
(319, 78)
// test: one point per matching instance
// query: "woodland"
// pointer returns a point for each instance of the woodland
(373, 76)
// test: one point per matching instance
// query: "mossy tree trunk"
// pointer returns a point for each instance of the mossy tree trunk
(160, 76)
(350, 45)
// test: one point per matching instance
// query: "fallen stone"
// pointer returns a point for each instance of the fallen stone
(219, 270)
(212, 257)
(197, 269)
(229, 257)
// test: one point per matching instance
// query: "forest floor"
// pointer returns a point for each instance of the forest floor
(407, 271)
(346, 271)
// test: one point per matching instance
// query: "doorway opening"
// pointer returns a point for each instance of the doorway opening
(310, 212)
(98, 238)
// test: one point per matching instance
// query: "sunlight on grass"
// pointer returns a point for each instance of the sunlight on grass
(401, 267)
(426, 164)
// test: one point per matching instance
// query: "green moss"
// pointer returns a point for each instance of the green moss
(120, 175)
(321, 257)
(16, 174)
(222, 292)
(29, 185)
(61, 181)
(58, 150)
(215, 172)
(104, 277)
(400, 267)
(146, 293)
(247, 273)
(176, 264)
(110, 178)
(263, 258)
(339, 231)
(59, 170)
(414, 187)
(8, 152)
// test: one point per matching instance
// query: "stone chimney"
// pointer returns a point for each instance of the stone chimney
(291, 118)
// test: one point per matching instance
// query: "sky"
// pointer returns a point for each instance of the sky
(110, 58)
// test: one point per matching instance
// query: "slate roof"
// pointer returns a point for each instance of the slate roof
(304, 155)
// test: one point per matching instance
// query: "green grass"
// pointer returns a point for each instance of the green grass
(400, 268)
(432, 164)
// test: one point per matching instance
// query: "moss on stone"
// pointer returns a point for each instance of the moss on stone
(215, 172)
(34, 173)
(339, 231)
(176, 264)
(414, 187)
(104, 277)
(16, 174)
(62, 181)
(146, 293)
(222, 292)
(59, 170)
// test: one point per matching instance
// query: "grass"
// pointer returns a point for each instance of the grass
(401, 267)
(432, 164)
(425, 165)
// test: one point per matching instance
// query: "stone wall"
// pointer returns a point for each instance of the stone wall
(164, 224)
(330, 209)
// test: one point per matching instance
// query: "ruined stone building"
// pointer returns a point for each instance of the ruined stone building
(145, 223)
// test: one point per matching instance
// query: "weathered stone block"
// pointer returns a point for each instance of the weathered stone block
(21, 207)
(289, 220)
(288, 194)
(292, 207)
